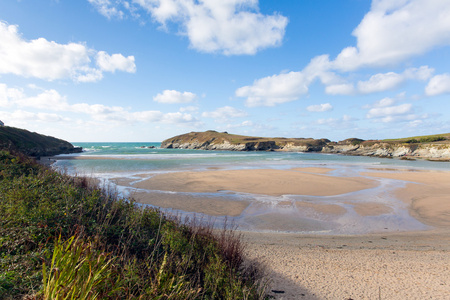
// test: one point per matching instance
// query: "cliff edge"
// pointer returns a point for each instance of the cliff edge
(33, 144)
(431, 147)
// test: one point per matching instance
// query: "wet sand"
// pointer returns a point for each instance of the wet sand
(409, 265)
(263, 181)
(391, 265)
(427, 195)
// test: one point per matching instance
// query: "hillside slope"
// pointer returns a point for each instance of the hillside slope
(32, 143)
(431, 147)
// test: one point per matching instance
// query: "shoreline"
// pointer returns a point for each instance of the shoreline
(388, 265)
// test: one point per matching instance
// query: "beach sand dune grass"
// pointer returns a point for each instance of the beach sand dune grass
(145, 253)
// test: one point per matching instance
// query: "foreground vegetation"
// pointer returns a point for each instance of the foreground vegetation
(62, 238)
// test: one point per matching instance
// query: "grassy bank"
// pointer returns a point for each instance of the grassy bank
(61, 237)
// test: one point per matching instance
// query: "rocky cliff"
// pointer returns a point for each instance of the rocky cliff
(437, 147)
(33, 144)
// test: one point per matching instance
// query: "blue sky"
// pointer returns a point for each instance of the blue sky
(146, 70)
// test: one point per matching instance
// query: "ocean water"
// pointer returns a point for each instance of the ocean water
(136, 161)
(131, 158)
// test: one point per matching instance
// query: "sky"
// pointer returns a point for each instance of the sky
(147, 70)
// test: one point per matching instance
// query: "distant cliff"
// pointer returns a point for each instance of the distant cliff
(32, 143)
(432, 147)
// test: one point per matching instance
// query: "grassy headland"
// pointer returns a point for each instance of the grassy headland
(435, 147)
(32, 143)
(61, 236)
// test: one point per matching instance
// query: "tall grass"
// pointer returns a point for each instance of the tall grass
(62, 237)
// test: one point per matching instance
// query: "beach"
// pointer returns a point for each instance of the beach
(323, 227)
(413, 265)
(387, 265)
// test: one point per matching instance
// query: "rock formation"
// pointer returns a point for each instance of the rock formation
(435, 148)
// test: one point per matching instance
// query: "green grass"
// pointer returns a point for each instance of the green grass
(62, 238)
(32, 143)
(422, 139)
(221, 137)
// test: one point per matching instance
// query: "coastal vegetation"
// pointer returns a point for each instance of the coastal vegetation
(32, 143)
(431, 147)
(63, 237)
(443, 138)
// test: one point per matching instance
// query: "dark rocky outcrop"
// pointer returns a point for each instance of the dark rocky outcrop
(33, 144)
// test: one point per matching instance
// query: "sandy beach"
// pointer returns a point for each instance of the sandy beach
(408, 262)
(414, 265)
(390, 265)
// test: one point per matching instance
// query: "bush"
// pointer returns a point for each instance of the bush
(51, 222)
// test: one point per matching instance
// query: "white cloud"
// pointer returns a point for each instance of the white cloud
(178, 118)
(114, 62)
(393, 31)
(286, 87)
(345, 122)
(231, 27)
(51, 100)
(387, 81)
(439, 84)
(383, 103)
(189, 108)
(340, 89)
(107, 8)
(423, 73)
(48, 100)
(49, 60)
(276, 89)
(320, 107)
(19, 116)
(225, 113)
(9, 96)
(172, 97)
(380, 82)
(385, 111)
(246, 123)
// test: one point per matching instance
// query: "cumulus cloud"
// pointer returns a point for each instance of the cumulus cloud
(276, 89)
(49, 60)
(172, 97)
(386, 111)
(387, 81)
(52, 100)
(286, 87)
(390, 33)
(230, 27)
(439, 84)
(111, 63)
(320, 107)
(225, 113)
(393, 31)
(380, 82)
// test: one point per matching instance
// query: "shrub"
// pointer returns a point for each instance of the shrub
(128, 251)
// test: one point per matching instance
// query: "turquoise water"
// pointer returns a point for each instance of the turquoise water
(136, 162)
(130, 158)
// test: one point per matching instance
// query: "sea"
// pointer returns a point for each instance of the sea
(139, 161)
